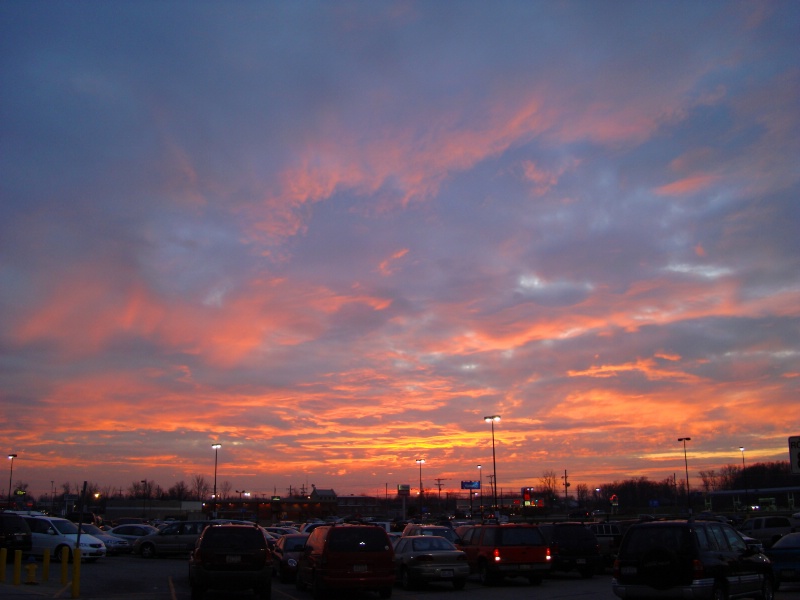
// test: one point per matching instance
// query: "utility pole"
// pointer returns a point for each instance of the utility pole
(439, 485)
(566, 485)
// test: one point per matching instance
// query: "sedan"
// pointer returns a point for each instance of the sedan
(426, 558)
(132, 531)
(114, 543)
(287, 550)
(785, 557)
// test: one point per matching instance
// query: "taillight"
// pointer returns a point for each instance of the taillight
(547, 555)
(616, 570)
(496, 554)
(697, 569)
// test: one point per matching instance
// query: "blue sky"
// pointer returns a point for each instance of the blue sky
(333, 236)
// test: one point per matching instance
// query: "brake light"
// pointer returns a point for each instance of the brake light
(697, 569)
(496, 553)
(547, 555)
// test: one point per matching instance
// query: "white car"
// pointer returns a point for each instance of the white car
(53, 534)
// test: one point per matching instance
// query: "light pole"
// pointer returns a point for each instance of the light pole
(420, 462)
(11, 457)
(241, 503)
(144, 498)
(480, 487)
(491, 419)
(216, 448)
(686, 464)
(744, 476)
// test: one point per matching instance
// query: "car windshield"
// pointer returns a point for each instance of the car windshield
(65, 527)
(90, 529)
(643, 540)
(788, 541)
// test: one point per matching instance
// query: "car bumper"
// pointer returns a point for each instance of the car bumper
(702, 590)
(240, 580)
(440, 573)
(352, 582)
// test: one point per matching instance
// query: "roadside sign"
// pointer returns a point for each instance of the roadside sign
(403, 489)
(794, 454)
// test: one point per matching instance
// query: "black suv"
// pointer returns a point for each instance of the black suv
(231, 557)
(690, 559)
(573, 546)
(14, 533)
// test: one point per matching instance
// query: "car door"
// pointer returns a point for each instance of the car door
(749, 565)
(730, 557)
(168, 540)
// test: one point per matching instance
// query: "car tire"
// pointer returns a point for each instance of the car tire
(59, 550)
(768, 589)
(484, 575)
(148, 551)
(719, 592)
(406, 581)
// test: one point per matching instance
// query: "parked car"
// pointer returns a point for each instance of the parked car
(769, 529)
(573, 546)
(513, 550)
(347, 557)
(785, 557)
(178, 537)
(14, 534)
(231, 557)
(54, 534)
(285, 554)
(113, 543)
(282, 530)
(132, 532)
(416, 529)
(609, 536)
(689, 559)
(428, 558)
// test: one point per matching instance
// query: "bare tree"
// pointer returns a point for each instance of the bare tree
(200, 488)
(710, 480)
(548, 482)
(225, 490)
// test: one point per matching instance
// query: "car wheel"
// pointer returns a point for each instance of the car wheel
(484, 575)
(60, 552)
(719, 593)
(459, 584)
(148, 551)
(768, 590)
(405, 579)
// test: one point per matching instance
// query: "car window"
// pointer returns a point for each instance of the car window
(643, 540)
(524, 536)
(401, 545)
(468, 536)
(716, 532)
(173, 529)
(434, 543)
(232, 538)
(489, 536)
(734, 539)
(357, 539)
(65, 527)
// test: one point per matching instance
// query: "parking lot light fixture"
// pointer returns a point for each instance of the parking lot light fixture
(744, 477)
(480, 486)
(686, 464)
(216, 448)
(491, 419)
(420, 462)
(11, 457)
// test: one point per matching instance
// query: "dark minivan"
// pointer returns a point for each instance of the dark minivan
(14, 533)
(690, 559)
(347, 557)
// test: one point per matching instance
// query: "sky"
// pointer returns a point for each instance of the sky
(334, 236)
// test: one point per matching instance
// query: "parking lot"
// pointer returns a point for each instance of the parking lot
(135, 578)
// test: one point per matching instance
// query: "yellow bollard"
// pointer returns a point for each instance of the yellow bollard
(64, 565)
(17, 567)
(76, 575)
(30, 578)
(3, 560)
(46, 565)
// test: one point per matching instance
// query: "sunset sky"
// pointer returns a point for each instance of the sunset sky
(333, 236)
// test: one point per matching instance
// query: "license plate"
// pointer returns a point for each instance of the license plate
(581, 561)
(628, 570)
(233, 559)
(359, 568)
(446, 573)
(524, 567)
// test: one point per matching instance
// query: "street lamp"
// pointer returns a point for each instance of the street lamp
(216, 448)
(744, 476)
(491, 419)
(480, 487)
(420, 462)
(11, 457)
(144, 498)
(686, 463)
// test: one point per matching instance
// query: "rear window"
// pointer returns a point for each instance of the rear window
(13, 524)
(578, 532)
(520, 536)
(229, 537)
(357, 539)
(641, 540)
